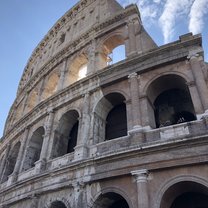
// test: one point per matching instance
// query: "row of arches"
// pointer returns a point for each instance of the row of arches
(111, 51)
(182, 194)
(169, 102)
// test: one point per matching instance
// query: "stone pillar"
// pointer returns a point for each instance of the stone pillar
(34, 202)
(41, 89)
(134, 90)
(46, 140)
(78, 194)
(81, 148)
(195, 98)
(3, 163)
(141, 177)
(132, 38)
(199, 78)
(62, 75)
(92, 58)
(19, 160)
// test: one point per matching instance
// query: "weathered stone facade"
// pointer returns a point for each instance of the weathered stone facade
(85, 133)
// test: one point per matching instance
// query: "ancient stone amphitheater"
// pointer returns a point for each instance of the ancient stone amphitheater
(88, 130)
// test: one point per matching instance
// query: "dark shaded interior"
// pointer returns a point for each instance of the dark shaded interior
(186, 194)
(191, 200)
(34, 149)
(57, 204)
(65, 138)
(116, 122)
(10, 164)
(111, 200)
(73, 138)
(172, 107)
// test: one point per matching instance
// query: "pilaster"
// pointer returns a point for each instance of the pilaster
(62, 75)
(141, 177)
(19, 160)
(134, 90)
(199, 79)
(46, 140)
(81, 148)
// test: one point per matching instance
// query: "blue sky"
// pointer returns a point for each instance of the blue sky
(23, 23)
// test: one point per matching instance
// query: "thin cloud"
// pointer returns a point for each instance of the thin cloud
(172, 11)
(198, 10)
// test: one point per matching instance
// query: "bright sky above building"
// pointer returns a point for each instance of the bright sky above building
(23, 24)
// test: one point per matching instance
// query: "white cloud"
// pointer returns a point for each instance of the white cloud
(198, 11)
(173, 9)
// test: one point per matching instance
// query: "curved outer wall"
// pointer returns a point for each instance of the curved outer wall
(83, 132)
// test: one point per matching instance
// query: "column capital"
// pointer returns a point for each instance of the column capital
(50, 110)
(193, 55)
(133, 75)
(140, 175)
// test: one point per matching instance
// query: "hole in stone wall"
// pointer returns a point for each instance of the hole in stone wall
(65, 138)
(116, 122)
(11, 161)
(169, 101)
(185, 194)
(34, 149)
(57, 204)
(110, 200)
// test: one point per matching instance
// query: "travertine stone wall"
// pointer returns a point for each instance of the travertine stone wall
(69, 89)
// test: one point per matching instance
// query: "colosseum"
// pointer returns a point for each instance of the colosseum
(87, 130)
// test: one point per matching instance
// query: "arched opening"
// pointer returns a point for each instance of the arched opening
(51, 85)
(77, 70)
(58, 204)
(34, 149)
(110, 119)
(116, 55)
(112, 51)
(11, 161)
(32, 100)
(110, 200)
(65, 138)
(185, 194)
(170, 101)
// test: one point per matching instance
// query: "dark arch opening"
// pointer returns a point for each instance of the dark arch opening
(58, 204)
(65, 138)
(112, 51)
(185, 194)
(111, 200)
(34, 149)
(169, 101)
(116, 121)
(172, 107)
(73, 137)
(191, 200)
(11, 161)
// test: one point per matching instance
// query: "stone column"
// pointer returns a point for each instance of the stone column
(78, 193)
(134, 88)
(81, 148)
(34, 201)
(19, 160)
(132, 38)
(3, 163)
(62, 75)
(199, 78)
(92, 58)
(195, 98)
(46, 140)
(142, 188)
